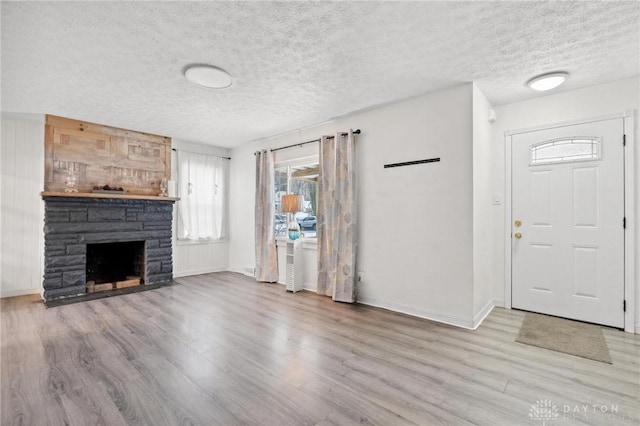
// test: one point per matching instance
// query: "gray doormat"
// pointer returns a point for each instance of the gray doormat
(563, 335)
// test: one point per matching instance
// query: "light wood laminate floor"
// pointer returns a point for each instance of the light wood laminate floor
(221, 349)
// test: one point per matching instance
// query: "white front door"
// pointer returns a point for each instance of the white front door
(567, 222)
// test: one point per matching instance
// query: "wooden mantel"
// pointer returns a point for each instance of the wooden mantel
(105, 195)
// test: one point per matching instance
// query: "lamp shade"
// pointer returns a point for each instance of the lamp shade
(291, 203)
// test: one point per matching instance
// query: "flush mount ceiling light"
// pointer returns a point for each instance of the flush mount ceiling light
(547, 81)
(207, 76)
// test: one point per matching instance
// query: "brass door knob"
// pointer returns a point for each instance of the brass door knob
(518, 223)
(517, 235)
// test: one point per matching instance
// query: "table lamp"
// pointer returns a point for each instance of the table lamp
(292, 203)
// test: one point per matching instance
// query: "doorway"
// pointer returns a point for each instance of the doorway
(566, 214)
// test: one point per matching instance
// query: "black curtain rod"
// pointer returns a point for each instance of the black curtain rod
(355, 132)
(294, 145)
(213, 155)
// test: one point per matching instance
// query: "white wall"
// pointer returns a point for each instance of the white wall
(610, 98)
(21, 207)
(200, 258)
(197, 258)
(415, 222)
(483, 299)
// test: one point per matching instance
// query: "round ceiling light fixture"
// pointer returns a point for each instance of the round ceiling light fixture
(548, 81)
(207, 76)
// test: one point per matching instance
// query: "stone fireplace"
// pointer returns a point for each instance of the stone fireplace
(101, 239)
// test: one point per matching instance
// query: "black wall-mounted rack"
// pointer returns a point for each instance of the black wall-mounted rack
(411, 163)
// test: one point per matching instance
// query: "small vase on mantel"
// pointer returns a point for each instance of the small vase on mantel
(163, 187)
(71, 182)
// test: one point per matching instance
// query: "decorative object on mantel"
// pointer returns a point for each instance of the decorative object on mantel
(133, 161)
(107, 190)
(292, 203)
(171, 188)
(71, 181)
(163, 187)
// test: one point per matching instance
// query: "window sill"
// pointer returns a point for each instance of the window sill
(305, 239)
(199, 242)
(310, 243)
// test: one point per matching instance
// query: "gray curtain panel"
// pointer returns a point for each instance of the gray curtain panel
(266, 252)
(336, 218)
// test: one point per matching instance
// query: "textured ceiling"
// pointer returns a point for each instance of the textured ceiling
(294, 63)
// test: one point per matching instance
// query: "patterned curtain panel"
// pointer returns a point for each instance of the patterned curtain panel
(266, 252)
(336, 218)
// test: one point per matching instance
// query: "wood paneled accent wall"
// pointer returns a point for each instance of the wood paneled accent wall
(102, 155)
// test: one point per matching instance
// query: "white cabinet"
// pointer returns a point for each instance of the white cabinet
(294, 265)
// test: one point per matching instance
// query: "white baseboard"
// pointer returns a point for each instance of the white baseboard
(304, 286)
(638, 328)
(310, 287)
(200, 271)
(19, 292)
(246, 273)
(456, 320)
(498, 303)
(484, 312)
(236, 270)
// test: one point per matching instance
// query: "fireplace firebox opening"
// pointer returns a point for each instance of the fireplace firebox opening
(115, 262)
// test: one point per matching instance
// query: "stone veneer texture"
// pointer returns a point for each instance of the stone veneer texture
(72, 223)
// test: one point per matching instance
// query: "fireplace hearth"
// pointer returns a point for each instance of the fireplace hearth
(102, 240)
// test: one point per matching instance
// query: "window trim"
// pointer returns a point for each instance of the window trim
(299, 161)
(186, 242)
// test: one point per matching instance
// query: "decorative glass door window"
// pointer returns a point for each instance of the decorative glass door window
(566, 150)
